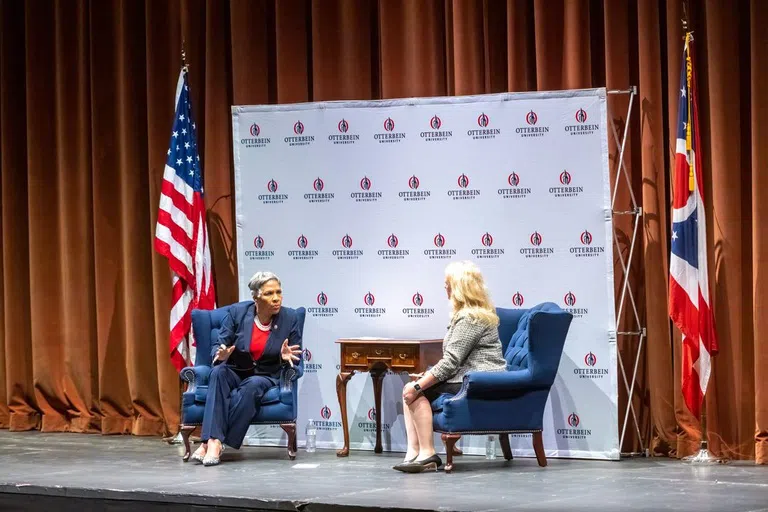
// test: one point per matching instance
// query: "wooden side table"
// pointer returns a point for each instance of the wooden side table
(376, 356)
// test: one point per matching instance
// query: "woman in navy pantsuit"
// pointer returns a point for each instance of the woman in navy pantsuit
(255, 341)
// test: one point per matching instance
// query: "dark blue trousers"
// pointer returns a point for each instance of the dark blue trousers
(233, 400)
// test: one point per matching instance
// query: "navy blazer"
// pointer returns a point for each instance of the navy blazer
(237, 328)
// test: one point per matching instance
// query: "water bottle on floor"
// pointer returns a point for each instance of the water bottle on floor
(490, 448)
(311, 433)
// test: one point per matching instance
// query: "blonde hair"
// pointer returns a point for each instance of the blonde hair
(469, 294)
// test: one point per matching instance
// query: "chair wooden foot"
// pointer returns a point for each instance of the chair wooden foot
(186, 431)
(290, 429)
(505, 448)
(538, 447)
(450, 443)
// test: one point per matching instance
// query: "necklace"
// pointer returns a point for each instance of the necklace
(261, 326)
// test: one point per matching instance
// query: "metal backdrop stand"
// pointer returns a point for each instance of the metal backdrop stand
(635, 329)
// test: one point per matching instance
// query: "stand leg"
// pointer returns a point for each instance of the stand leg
(538, 447)
(186, 431)
(341, 393)
(290, 429)
(377, 377)
(450, 443)
(505, 448)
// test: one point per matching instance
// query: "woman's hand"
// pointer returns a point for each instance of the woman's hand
(223, 353)
(291, 353)
(409, 393)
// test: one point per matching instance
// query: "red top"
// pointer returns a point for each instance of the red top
(258, 342)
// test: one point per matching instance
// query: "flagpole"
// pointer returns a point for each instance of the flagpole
(703, 456)
(178, 439)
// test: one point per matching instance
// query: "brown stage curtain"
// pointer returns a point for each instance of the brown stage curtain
(86, 93)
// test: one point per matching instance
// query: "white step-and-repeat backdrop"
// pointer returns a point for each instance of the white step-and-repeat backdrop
(358, 207)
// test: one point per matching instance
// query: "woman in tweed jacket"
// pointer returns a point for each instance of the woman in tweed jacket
(471, 344)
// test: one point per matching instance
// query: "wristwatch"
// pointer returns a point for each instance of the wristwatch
(417, 387)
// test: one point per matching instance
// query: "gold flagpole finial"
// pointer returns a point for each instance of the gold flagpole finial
(184, 64)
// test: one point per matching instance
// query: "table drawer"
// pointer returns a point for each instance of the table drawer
(404, 356)
(355, 355)
(379, 352)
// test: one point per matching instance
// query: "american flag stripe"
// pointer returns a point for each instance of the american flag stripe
(181, 234)
(689, 306)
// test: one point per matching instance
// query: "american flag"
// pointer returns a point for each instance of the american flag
(181, 234)
(689, 299)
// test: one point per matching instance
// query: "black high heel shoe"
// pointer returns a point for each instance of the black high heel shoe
(419, 466)
(405, 462)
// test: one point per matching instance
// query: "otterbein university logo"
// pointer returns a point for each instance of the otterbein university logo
(369, 299)
(413, 182)
(298, 128)
(518, 299)
(343, 126)
(569, 299)
(272, 186)
(346, 241)
(581, 116)
(483, 120)
(463, 181)
(566, 189)
(591, 371)
(531, 118)
(487, 239)
(322, 298)
(439, 240)
(372, 414)
(417, 299)
(392, 241)
(365, 183)
(306, 354)
(259, 253)
(573, 420)
(389, 124)
(536, 238)
(325, 412)
(435, 123)
(513, 180)
(302, 242)
(318, 185)
(254, 130)
(586, 238)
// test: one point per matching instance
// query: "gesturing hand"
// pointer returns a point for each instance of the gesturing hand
(223, 353)
(290, 353)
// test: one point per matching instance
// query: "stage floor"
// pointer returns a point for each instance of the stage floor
(92, 472)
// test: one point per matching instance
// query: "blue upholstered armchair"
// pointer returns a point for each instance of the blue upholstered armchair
(512, 401)
(279, 404)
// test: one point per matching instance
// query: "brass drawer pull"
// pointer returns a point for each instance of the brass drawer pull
(379, 352)
(355, 355)
(403, 356)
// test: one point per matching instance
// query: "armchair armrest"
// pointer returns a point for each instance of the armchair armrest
(195, 376)
(288, 376)
(498, 385)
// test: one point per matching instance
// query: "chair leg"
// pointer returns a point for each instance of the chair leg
(538, 447)
(290, 429)
(450, 442)
(505, 448)
(456, 450)
(186, 431)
